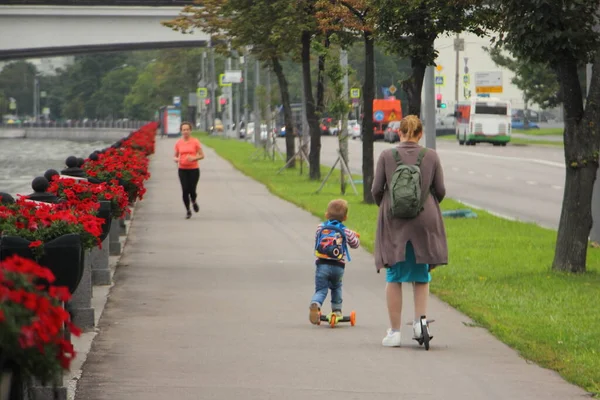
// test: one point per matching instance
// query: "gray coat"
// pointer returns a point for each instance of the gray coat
(426, 231)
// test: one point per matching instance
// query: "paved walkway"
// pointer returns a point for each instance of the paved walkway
(216, 307)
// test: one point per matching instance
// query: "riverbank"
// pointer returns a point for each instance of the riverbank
(72, 134)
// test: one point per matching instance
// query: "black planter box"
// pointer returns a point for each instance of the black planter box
(104, 212)
(63, 256)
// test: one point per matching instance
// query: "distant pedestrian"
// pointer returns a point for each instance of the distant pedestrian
(188, 151)
(331, 249)
(409, 248)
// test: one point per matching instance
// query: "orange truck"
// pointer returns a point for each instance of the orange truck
(384, 112)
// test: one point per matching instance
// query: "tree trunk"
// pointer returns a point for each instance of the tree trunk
(321, 81)
(313, 123)
(367, 122)
(290, 144)
(413, 87)
(581, 159)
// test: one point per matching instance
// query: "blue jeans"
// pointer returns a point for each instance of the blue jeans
(328, 277)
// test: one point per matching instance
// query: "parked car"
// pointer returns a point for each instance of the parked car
(250, 132)
(218, 127)
(391, 132)
(447, 121)
(520, 124)
(354, 129)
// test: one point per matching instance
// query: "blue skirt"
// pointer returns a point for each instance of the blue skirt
(408, 270)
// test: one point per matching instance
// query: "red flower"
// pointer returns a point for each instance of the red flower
(36, 243)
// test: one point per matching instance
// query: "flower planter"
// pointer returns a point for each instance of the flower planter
(104, 212)
(11, 383)
(5, 383)
(63, 256)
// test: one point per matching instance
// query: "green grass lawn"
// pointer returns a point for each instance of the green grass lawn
(498, 274)
(541, 132)
(533, 142)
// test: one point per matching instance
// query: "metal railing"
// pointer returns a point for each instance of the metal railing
(101, 124)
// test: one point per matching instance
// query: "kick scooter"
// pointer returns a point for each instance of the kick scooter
(425, 337)
(334, 319)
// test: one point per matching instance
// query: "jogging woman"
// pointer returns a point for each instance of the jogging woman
(188, 151)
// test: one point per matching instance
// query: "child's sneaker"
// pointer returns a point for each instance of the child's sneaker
(338, 314)
(315, 313)
(392, 339)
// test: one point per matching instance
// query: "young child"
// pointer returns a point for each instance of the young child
(331, 248)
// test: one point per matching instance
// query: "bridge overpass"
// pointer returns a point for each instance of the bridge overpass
(31, 30)
(154, 3)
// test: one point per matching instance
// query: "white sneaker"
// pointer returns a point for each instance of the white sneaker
(392, 339)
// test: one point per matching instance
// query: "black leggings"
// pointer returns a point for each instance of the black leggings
(189, 180)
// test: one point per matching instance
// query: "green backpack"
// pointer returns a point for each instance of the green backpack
(405, 188)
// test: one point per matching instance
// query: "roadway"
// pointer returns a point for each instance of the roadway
(519, 182)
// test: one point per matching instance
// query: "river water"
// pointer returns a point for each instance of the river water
(21, 160)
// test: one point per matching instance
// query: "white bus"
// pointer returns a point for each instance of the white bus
(483, 119)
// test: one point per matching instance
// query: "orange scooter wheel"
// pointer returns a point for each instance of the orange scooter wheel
(353, 318)
(332, 320)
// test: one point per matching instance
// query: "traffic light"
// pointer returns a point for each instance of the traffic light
(438, 99)
(223, 101)
(443, 105)
(207, 101)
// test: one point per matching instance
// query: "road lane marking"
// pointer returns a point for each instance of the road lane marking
(531, 182)
(533, 160)
(557, 187)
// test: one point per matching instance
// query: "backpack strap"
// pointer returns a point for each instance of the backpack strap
(397, 156)
(421, 155)
(419, 158)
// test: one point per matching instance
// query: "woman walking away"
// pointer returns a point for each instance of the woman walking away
(411, 239)
(188, 151)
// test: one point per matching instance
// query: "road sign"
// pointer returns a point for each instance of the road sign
(392, 116)
(177, 101)
(232, 76)
(355, 93)
(439, 68)
(221, 83)
(46, 111)
(488, 82)
(202, 92)
(439, 80)
(379, 115)
(392, 89)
